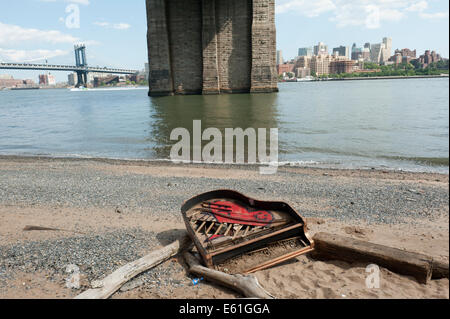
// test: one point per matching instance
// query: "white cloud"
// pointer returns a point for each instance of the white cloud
(83, 2)
(117, 26)
(102, 24)
(305, 7)
(11, 55)
(13, 34)
(418, 6)
(121, 26)
(436, 15)
(364, 13)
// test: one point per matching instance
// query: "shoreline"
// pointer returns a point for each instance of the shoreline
(169, 163)
(362, 78)
(116, 211)
(395, 77)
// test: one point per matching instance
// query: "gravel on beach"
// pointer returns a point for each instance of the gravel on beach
(79, 184)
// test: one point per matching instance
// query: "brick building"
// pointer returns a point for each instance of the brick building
(429, 57)
(320, 65)
(341, 66)
(284, 68)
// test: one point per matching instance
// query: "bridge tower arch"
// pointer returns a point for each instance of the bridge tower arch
(81, 61)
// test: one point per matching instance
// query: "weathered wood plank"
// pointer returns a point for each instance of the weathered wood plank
(335, 247)
(248, 285)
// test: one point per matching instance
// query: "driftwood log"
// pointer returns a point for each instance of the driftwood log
(103, 289)
(440, 270)
(335, 247)
(247, 285)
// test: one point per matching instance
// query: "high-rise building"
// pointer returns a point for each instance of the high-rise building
(280, 57)
(375, 52)
(321, 49)
(305, 51)
(342, 51)
(72, 79)
(381, 52)
(356, 52)
(365, 55)
(303, 62)
(386, 50)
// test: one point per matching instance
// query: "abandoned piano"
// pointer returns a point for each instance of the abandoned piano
(237, 234)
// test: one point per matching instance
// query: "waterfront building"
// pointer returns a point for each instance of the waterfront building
(429, 57)
(47, 79)
(303, 62)
(321, 49)
(285, 67)
(320, 64)
(403, 56)
(303, 72)
(6, 77)
(396, 58)
(406, 53)
(305, 51)
(7, 81)
(338, 66)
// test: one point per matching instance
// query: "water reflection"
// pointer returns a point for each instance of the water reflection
(219, 111)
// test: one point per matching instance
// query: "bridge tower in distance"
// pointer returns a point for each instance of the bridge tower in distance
(81, 61)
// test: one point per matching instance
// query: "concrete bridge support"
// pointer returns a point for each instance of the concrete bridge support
(211, 46)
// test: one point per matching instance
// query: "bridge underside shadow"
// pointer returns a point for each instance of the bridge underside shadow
(211, 46)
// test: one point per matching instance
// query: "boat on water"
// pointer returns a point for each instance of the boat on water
(82, 88)
(25, 88)
(306, 79)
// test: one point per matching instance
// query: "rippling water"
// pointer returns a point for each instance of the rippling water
(396, 124)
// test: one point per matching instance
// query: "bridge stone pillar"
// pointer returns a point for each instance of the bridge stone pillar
(264, 73)
(211, 46)
(160, 75)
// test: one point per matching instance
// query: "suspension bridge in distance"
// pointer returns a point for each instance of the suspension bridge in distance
(81, 68)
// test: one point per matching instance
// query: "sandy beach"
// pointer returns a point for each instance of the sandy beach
(112, 212)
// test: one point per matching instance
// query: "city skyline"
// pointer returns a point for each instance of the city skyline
(115, 32)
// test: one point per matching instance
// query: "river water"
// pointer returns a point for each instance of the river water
(384, 124)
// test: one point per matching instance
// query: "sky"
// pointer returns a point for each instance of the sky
(114, 31)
